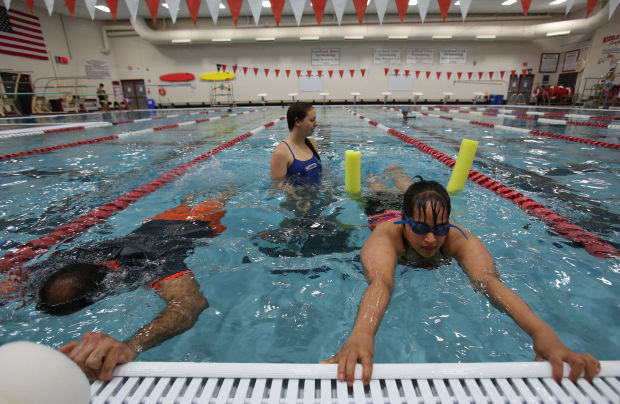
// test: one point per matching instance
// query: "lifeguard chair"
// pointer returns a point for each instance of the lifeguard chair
(39, 105)
(7, 107)
(222, 91)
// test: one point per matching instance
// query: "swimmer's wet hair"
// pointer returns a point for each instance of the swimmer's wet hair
(297, 111)
(422, 193)
(71, 288)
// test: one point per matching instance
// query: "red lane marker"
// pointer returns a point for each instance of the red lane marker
(35, 248)
(46, 149)
(173, 125)
(490, 125)
(575, 139)
(64, 129)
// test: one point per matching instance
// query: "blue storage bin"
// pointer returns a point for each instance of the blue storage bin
(150, 103)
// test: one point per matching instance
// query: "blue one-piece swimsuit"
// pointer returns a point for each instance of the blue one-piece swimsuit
(303, 172)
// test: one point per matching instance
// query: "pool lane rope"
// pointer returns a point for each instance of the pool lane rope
(112, 137)
(523, 130)
(592, 243)
(14, 259)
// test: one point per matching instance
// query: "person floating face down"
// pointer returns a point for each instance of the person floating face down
(153, 256)
(421, 232)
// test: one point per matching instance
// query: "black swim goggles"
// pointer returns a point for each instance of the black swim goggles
(422, 229)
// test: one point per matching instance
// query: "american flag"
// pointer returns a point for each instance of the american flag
(21, 35)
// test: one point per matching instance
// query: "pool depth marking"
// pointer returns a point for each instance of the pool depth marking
(592, 243)
(523, 130)
(35, 248)
(111, 137)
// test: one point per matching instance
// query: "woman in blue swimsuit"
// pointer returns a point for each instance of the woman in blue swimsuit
(295, 161)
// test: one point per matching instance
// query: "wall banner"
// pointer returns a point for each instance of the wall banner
(419, 56)
(325, 56)
(385, 56)
(96, 69)
(453, 56)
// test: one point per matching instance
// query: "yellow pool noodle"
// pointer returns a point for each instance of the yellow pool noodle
(462, 166)
(352, 169)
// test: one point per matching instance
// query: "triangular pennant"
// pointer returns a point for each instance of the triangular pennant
(363, 71)
(491, 75)
(218, 67)
(407, 73)
(319, 72)
(309, 73)
(256, 71)
(459, 74)
(444, 5)
(298, 9)
(173, 9)
(417, 74)
(381, 6)
(501, 74)
(234, 67)
(513, 73)
(339, 9)
(341, 73)
(245, 70)
(319, 7)
(276, 7)
(526, 6)
(266, 72)
(569, 5)
(423, 8)
(70, 6)
(277, 72)
(113, 6)
(153, 6)
(330, 72)
(193, 6)
(612, 7)
(469, 74)
(49, 4)
(223, 68)
(428, 74)
(90, 7)
(30, 4)
(401, 6)
(438, 75)
(386, 70)
(256, 7)
(449, 74)
(288, 71)
(396, 72)
(214, 9)
(298, 73)
(352, 72)
(360, 9)
(132, 6)
(524, 72)
(465, 8)
(591, 4)
(7, 4)
(234, 6)
(480, 75)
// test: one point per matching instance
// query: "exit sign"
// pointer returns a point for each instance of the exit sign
(62, 60)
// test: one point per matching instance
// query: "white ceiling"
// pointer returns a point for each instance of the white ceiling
(484, 8)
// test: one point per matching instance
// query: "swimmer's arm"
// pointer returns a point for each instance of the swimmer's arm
(479, 266)
(97, 354)
(279, 165)
(185, 302)
(379, 256)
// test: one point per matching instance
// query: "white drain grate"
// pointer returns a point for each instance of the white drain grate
(227, 383)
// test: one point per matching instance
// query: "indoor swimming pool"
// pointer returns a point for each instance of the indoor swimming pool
(283, 284)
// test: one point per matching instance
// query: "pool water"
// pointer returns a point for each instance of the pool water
(284, 285)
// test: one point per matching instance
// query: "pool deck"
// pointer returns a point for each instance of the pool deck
(508, 382)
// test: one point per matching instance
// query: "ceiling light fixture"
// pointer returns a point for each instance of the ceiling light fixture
(558, 33)
(105, 9)
(308, 38)
(509, 2)
(266, 4)
(165, 5)
(265, 39)
(442, 36)
(557, 2)
(222, 6)
(413, 2)
(221, 40)
(184, 40)
(485, 37)
(354, 37)
(398, 37)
